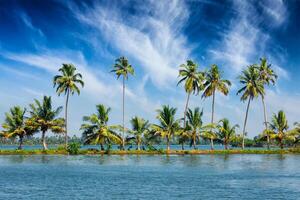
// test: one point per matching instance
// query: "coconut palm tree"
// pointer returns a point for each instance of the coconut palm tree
(68, 83)
(97, 131)
(267, 76)
(214, 82)
(15, 125)
(168, 126)
(124, 69)
(226, 132)
(140, 127)
(279, 126)
(193, 81)
(194, 125)
(45, 117)
(252, 87)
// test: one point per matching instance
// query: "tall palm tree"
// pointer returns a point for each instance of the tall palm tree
(226, 132)
(252, 87)
(267, 76)
(15, 125)
(193, 81)
(140, 127)
(214, 82)
(168, 126)
(194, 125)
(97, 131)
(279, 126)
(45, 117)
(124, 69)
(68, 83)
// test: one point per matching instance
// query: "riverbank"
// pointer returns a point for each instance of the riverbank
(152, 152)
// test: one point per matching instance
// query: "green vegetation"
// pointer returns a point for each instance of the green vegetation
(21, 125)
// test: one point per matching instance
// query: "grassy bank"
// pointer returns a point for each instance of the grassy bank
(136, 152)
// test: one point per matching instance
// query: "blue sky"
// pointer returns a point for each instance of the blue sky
(36, 37)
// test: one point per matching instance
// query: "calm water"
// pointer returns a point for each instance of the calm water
(150, 177)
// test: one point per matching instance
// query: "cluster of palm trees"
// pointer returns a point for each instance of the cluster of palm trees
(41, 117)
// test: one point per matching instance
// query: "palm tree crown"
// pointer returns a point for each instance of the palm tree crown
(15, 125)
(194, 124)
(122, 68)
(226, 132)
(96, 130)
(68, 81)
(45, 118)
(252, 84)
(140, 127)
(266, 73)
(168, 126)
(279, 126)
(214, 82)
(192, 77)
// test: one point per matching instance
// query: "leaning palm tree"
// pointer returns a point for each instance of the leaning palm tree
(123, 68)
(140, 127)
(193, 81)
(194, 125)
(226, 132)
(97, 131)
(267, 76)
(168, 126)
(15, 125)
(45, 117)
(68, 83)
(213, 83)
(279, 126)
(253, 86)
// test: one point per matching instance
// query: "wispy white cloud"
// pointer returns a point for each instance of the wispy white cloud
(154, 39)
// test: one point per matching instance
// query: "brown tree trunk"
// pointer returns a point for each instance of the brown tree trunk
(185, 110)
(66, 119)
(20, 143)
(123, 115)
(168, 144)
(266, 122)
(212, 119)
(245, 123)
(44, 140)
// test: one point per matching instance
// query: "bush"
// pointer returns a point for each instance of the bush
(73, 148)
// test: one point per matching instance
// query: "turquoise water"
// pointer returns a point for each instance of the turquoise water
(150, 177)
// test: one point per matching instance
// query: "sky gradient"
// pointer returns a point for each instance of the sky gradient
(36, 37)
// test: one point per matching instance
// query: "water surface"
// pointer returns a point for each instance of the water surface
(150, 177)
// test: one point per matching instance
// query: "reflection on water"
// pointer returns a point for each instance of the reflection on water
(150, 177)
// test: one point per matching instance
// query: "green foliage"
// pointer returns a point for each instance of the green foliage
(96, 130)
(192, 77)
(73, 148)
(68, 80)
(122, 68)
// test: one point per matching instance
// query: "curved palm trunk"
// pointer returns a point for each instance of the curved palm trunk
(102, 147)
(212, 118)
(266, 121)
(226, 144)
(186, 107)
(168, 144)
(66, 119)
(20, 143)
(138, 144)
(194, 142)
(123, 116)
(245, 123)
(44, 141)
(280, 141)
(182, 146)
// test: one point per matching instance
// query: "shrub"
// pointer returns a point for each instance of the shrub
(73, 148)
